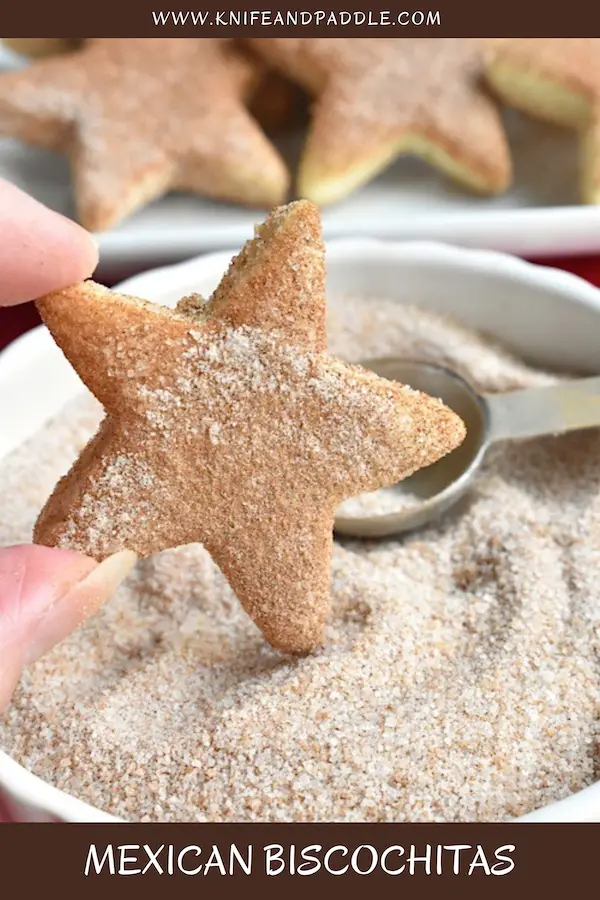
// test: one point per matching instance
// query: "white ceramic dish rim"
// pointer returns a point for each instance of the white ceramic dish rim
(25, 787)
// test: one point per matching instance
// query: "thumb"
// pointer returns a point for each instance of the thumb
(44, 595)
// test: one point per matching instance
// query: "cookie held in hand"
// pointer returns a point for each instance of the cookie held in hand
(379, 98)
(139, 117)
(228, 424)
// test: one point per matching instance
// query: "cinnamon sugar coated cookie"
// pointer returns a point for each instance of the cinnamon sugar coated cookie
(138, 117)
(557, 79)
(378, 98)
(228, 424)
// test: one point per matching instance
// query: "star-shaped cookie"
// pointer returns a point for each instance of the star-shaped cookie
(377, 98)
(228, 424)
(141, 116)
(557, 79)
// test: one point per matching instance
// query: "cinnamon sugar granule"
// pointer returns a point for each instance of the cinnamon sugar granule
(460, 676)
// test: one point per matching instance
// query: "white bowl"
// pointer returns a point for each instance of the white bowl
(547, 316)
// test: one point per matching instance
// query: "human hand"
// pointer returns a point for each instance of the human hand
(45, 593)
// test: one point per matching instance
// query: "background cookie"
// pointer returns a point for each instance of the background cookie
(141, 116)
(378, 98)
(558, 80)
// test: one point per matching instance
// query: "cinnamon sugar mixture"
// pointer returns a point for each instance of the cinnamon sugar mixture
(460, 678)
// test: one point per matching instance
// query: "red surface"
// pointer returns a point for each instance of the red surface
(15, 320)
(587, 267)
(4, 811)
(18, 319)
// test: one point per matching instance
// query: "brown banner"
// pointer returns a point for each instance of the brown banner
(147, 18)
(462, 861)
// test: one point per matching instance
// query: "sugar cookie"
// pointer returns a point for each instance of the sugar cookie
(228, 424)
(378, 98)
(557, 79)
(141, 116)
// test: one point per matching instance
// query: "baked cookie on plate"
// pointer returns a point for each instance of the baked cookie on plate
(556, 79)
(378, 98)
(138, 117)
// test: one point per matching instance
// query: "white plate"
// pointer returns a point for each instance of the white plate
(538, 216)
(547, 316)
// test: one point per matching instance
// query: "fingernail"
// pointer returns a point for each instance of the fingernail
(79, 602)
(104, 580)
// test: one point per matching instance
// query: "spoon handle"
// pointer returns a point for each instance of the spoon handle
(549, 410)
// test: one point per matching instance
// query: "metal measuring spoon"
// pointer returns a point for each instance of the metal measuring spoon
(531, 412)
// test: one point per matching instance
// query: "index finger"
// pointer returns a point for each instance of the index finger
(40, 250)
